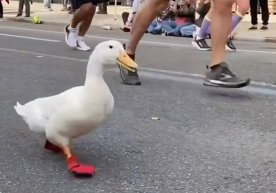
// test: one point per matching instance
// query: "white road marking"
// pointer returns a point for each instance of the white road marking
(28, 37)
(142, 42)
(43, 55)
(255, 87)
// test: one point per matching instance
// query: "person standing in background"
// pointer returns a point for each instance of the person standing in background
(64, 4)
(254, 14)
(1, 11)
(71, 9)
(102, 7)
(47, 5)
(27, 8)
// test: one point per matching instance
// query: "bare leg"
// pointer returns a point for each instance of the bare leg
(82, 13)
(86, 22)
(83, 16)
(220, 75)
(222, 14)
(145, 15)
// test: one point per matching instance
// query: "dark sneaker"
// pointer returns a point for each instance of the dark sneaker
(18, 15)
(201, 44)
(253, 28)
(221, 76)
(264, 27)
(229, 45)
(129, 77)
(125, 28)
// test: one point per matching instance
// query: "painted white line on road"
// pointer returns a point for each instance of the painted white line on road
(200, 76)
(28, 37)
(42, 54)
(255, 87)
(142, 42)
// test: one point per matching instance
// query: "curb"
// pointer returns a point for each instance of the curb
(254, 39)
(249, 39)
(116, 27)
(270, 39)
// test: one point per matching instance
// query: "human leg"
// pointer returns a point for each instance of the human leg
(254, 14)
(47, 4)
(265, 13)
(27, 8)
(1, 10)
(64, 4)
(221, 17)
(148, 11)
(220, 74)
(145, 15)
(243, 6)
(85, 10)
(199, 40)
(20, 8)
(84, 26)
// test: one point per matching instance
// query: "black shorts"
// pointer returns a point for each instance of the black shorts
(79, 3)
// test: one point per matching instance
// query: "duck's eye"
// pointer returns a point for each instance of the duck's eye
(110, 47)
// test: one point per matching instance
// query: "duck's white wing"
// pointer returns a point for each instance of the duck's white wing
(37, 113)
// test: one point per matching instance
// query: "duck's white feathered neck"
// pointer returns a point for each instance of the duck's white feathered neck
(94, 67)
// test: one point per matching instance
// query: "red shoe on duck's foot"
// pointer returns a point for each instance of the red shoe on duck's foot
(78, 169)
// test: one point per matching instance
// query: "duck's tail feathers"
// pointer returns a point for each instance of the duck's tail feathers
(30, 115)
(20, 109)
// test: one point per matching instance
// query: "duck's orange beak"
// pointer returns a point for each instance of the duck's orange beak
(126, 62)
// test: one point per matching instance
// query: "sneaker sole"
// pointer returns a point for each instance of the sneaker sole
(225, 85)
(78, 48)
(66, 37)
(199, 48)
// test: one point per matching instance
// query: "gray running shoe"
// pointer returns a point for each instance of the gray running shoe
(221, 76)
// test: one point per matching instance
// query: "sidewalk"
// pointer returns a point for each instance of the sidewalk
(114, 20)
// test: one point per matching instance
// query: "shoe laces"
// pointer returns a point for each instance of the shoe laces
(227, 71)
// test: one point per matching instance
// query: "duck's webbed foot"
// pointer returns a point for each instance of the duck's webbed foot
(77, 168)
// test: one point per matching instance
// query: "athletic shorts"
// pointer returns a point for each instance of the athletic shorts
(79, 3)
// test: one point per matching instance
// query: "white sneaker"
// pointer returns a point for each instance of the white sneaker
(70, 37)
(81, 45)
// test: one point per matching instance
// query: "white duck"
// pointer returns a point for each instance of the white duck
(79, 110)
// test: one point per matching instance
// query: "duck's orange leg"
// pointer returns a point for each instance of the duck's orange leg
(77, 168)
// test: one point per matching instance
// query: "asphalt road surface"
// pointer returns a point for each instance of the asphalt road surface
(208, 140)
